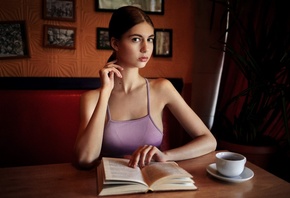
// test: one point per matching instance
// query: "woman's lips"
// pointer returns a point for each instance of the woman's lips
(143, 59)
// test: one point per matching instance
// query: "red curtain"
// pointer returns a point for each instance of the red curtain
(255, 16)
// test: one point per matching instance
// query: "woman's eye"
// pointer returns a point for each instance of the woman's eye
(136, 39)
(151, 40)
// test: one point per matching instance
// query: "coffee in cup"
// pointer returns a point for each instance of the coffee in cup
(230, 164)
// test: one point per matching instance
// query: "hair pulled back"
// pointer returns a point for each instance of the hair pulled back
(124, 19)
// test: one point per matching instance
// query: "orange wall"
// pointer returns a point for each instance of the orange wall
(86, 60)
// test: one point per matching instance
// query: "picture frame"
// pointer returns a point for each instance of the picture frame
(61, 10)
(59, 37)
(163, 43)
(150, 7)
(103, 41)
(13, 40)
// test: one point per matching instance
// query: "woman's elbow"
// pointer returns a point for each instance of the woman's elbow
(85, 161)
(212, 143)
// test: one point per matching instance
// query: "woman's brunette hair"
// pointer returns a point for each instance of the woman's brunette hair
(124, 19)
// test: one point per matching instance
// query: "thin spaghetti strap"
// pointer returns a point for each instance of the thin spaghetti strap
(148, 96)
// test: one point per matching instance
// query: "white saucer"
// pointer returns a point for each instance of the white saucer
(244, 176)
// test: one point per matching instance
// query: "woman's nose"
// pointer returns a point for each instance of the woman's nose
(144, 47)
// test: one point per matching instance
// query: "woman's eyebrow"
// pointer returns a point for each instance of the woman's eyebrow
(152, 35)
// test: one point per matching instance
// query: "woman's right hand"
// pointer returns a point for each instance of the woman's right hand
(107, 74)
(144, 154)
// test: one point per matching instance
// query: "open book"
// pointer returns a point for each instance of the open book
(115, 177)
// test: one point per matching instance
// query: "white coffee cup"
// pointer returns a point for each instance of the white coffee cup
(230, 164)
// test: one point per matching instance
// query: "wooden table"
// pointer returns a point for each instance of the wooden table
(63, 180)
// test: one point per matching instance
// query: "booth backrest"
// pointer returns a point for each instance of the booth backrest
(38, 125)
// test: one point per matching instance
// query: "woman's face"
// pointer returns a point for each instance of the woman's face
(135, 47)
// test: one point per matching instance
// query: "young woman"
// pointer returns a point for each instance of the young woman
(123, 118)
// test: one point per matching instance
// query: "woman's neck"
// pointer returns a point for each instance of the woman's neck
(131, 80)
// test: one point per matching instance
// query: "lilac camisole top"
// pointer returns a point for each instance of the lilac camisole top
(124, 137)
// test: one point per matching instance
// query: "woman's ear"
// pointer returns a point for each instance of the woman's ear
(114, 43)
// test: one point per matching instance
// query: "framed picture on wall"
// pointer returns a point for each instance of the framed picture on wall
(63, 10)
(163, 43)
(149, 6)
(59, 37)
(13, 40)
(103, 41)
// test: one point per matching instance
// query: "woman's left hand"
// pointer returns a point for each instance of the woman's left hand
(144, 154)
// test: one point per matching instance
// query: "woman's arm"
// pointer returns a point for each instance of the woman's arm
(93, 109)
(203, 141)
(92, 120)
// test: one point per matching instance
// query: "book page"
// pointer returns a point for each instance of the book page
(158, 170)
(117, 171)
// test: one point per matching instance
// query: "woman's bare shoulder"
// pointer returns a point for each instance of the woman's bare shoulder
(161, 85)
(163, 90)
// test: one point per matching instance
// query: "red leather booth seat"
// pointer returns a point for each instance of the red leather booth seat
(40, 126)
